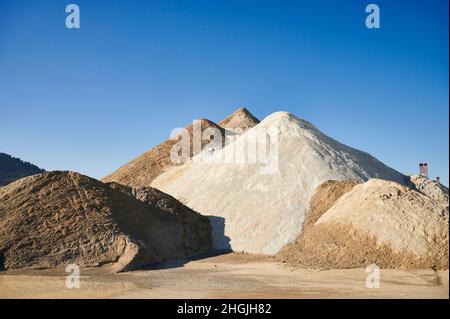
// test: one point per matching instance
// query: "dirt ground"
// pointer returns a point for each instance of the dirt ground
(227, 276)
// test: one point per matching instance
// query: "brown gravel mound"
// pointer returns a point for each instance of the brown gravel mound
(58, 218)
(142, 170)
(240, 121)
(191, 223)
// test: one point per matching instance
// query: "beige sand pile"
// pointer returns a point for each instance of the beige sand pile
(147, 166)
(240, 121)
(263, 212)
(378, 222)
(324, 197)
(59, 218)
(142, 170)
(431, 188)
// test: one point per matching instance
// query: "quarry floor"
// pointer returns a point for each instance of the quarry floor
(226, 276)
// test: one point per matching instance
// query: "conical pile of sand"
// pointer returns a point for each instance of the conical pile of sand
(240, 121)
(147, 166)
(142, 170)
(59, 218)
(262, 205)
(380, 222)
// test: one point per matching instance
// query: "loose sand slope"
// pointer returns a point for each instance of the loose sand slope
(142, 170)
(379, 222)
(263, 212)
(432, 189)
(240, 121)
(53, 219)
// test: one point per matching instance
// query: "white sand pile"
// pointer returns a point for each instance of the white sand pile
(379, 222)
(262, 211)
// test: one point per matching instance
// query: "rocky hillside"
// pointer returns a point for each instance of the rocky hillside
(12, 168)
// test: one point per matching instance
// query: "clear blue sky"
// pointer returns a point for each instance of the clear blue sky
(91, 99)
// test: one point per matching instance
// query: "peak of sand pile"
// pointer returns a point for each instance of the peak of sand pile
(143, 169)
(265, 211)
(380, 222)
(240, 121)
(59, 218)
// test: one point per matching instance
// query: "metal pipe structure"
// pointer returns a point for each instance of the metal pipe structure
(423, 169)
(420, 168)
